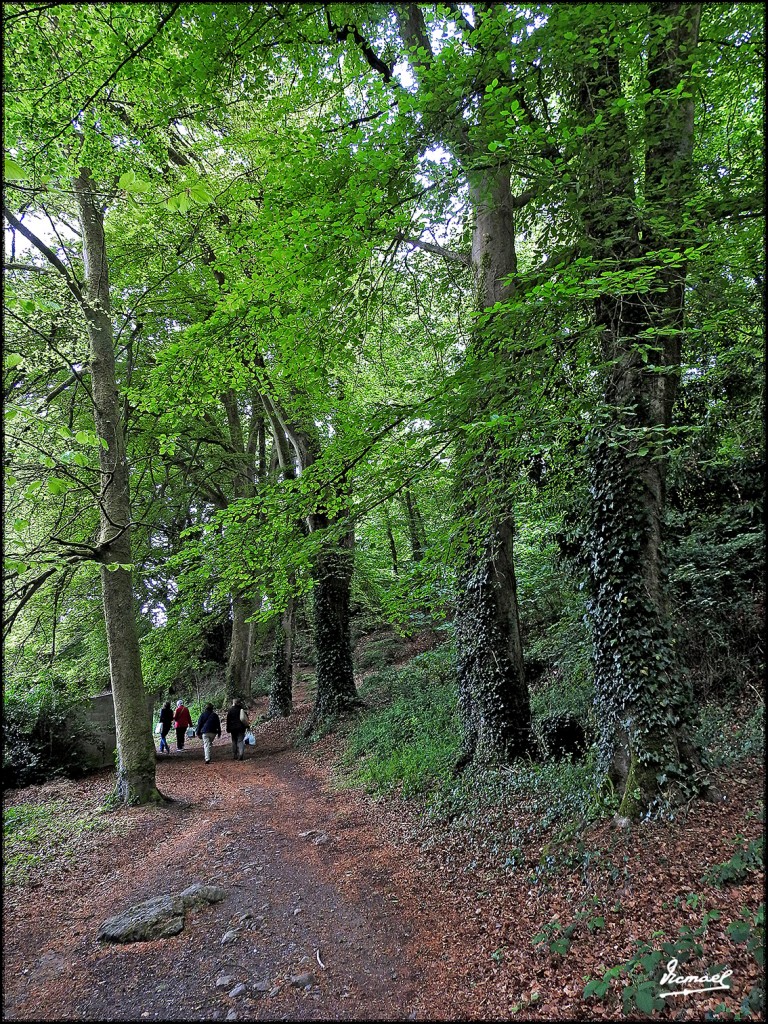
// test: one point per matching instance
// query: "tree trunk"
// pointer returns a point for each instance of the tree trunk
(415, 526)
(281, 693)
(644, 703)
(334, 564)
(336, 692)
(238, 672)
(391, 539)
(494, 704)
(493, 698)
(135, 748)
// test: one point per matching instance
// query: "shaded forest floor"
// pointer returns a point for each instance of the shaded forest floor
(359, 909)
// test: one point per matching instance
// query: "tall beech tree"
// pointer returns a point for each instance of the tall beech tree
(493, 695)
(135, 748)
(645, 705)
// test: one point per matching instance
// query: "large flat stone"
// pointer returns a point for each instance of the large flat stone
(155, 918)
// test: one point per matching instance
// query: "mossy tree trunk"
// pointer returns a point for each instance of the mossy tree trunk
(644, 703)
(494, 703)
(336, 691)
(493, 698)
(332, 573)
(135, 748)
(416, 531)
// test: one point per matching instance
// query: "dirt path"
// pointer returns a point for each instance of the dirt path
(307, 864)
(430, 928)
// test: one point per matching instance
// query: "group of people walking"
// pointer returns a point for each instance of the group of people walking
(208, 727)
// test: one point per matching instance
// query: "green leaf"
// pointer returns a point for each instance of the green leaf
(200, 194)
(138, 186)
(646, 997)
(20, 525)
(127, 179)
(739, 931)
(13, 359)
(56, 485)
(13, 171)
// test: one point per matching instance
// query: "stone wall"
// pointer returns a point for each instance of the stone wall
(97, 746)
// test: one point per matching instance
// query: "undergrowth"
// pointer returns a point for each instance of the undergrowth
(35, 835)
(727, 734)
(409, 739)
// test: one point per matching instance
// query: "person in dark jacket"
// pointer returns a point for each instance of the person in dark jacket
(166, 721)
(237, 723)
(209, 729)
(182, 721)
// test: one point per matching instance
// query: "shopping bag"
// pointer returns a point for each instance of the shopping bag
(250, 738)
(190, 733)
(158, 727)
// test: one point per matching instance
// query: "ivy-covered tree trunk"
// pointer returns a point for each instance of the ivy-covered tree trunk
(493, 698)
(494, 703)
(336, 691)
(281, 692)
(135, 748)
(332, 572)
(644, 702)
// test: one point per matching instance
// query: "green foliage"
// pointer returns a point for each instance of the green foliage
(263, 256)
(640, 986)
(558, 937)
(41, 726)
(726, 735)
(376, 653)
(717, 559)
(410, 738)
(750, 929)
(747, 859)
(34, 834)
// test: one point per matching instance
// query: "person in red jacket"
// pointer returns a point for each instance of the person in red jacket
(182, 720)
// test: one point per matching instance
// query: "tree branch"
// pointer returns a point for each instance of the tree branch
(343, 32)
(26, 266)
(134, 53)
(448, 254)
(460, 17)
(49, 254)
(30, 590)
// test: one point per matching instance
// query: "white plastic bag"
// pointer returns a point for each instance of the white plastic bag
(250, 739)
(158, 727)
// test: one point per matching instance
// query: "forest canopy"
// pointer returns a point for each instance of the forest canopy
(447, 317)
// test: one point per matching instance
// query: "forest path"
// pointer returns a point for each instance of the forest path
(323, 884)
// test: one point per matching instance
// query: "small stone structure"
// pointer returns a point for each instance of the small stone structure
(97, 745)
